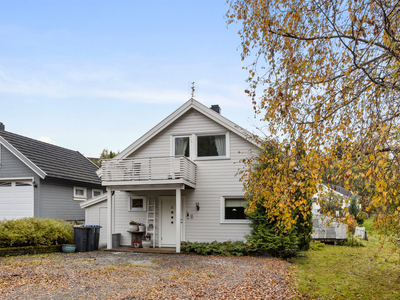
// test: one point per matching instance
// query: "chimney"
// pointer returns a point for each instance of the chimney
(216, 108)
(2, 127)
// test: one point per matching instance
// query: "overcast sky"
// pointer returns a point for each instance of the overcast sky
(89, 75)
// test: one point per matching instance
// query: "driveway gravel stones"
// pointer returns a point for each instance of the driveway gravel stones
(128, 275)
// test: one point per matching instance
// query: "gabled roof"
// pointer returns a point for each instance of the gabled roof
(192, 103)
(341, 190)
(338, 190)
(48, 160)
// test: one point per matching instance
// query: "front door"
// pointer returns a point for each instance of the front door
(168, 221)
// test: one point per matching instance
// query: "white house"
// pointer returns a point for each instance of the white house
(328, 191)
(324, 227)
(179, 179)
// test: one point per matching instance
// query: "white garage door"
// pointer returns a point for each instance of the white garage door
(16, 199)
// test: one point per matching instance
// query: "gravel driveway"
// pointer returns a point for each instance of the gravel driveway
(127, 275)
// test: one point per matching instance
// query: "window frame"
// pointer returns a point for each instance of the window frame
(80, 197)
(173, 137)
(222, 211)
(136, 209)
(227, 146)
(97, 190)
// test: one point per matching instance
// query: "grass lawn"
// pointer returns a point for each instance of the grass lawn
(342, 272)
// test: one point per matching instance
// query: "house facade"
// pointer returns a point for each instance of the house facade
(180, 179)
(41, 180)
(331, 192)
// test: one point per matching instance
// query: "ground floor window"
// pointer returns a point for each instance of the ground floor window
(137, 203)
(232, 210)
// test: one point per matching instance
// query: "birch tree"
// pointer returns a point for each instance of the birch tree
(326, 71)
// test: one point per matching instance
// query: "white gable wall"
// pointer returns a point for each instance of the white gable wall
(215, 178)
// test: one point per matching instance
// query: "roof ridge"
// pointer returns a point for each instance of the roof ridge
(36, 140)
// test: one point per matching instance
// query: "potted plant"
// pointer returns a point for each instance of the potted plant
(146, 242)
(133, 226)
(142, 227)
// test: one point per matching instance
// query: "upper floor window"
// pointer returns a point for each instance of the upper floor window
(96, 193)
(80, 193)
(182, 146)
(211, 145)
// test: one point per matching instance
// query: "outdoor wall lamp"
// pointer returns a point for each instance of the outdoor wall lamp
(197, 206)
(34, 184)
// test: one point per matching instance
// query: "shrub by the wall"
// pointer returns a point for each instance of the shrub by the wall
(228, 248)
(34, 232)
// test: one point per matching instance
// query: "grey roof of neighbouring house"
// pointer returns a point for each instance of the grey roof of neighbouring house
(341, 190)
(55, 161)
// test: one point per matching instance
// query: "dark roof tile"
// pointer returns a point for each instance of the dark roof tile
(56, 161)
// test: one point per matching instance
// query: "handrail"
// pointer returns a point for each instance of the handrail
(149, 168)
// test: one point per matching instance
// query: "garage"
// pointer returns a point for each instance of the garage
(16, 199)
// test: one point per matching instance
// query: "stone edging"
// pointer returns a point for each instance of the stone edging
(14, 251)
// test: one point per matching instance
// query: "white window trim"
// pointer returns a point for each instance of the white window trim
(222, 212)
(80, 198)
(228, 147)
(97, 190)
(191, 148)
(136, 208)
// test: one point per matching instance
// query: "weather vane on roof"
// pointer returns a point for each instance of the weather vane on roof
(193, 89)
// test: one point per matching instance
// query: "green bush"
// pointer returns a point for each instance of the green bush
(353, 241)
(265, 235)
(228, 248)
(34, 232)
(317, 246)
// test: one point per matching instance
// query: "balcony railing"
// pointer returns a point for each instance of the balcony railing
(147, 170)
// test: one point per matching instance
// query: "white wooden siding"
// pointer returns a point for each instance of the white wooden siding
(215, 178)
(97, 215)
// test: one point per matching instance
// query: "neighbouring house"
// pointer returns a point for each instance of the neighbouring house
(332, 192)
(38, 179)
(324, 228)
(180, 179)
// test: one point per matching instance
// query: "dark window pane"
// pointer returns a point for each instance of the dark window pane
(234, 209)
(22, 184)
(5, 183)
(234, 213)
(136, 203)
(213, 145)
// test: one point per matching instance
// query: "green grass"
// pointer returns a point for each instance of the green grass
(342, 272)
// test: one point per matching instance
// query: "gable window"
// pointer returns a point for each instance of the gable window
(232, 210)
(80, 193)
(137, 203)
(96, 193)
(182, 146)
(213, 146)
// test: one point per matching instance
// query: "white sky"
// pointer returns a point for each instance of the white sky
(89, 75)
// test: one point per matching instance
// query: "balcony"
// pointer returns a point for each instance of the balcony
(150, 170)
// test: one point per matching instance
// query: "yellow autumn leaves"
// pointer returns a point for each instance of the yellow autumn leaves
(325, 73)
